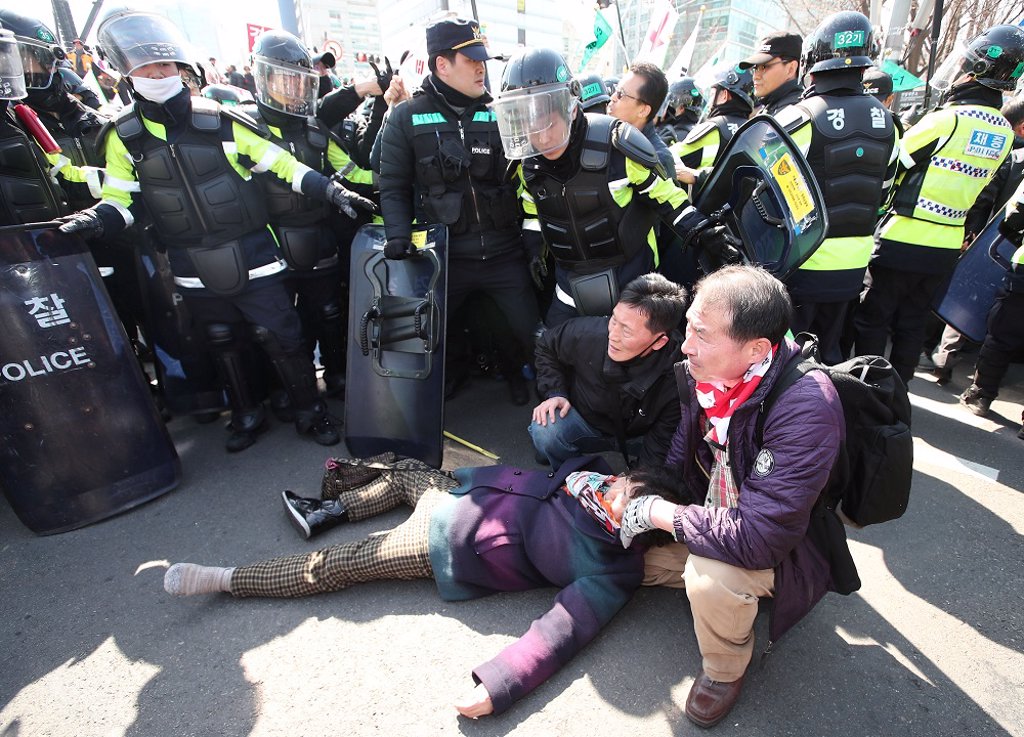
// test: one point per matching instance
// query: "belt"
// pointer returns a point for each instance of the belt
(194, 282)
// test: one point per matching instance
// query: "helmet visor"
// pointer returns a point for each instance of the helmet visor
(287, 89)
(950, 70)
(12, 74)
(535, 120)
(131, 41)
(39, 60)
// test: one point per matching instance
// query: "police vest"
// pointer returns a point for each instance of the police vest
(27, 194)
(849, 153)
(944, 190)
(460, 169)
(710, 152)
(297, 219)
(190, 189)
(583, 226)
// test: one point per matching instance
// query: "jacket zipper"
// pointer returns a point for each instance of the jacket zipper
(188, 190)
(472, 192)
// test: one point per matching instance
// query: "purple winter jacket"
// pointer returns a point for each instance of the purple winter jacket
(779, 484)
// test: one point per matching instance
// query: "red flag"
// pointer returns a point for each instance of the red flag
(254, 32)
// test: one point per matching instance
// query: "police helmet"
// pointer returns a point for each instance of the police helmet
(536, 103)
(227, 94)
(740, 82)
(843, 40)
(12, 74)
(282, 70)
(38, 47)
(683, 93)
(129, 39)
(593, 92)
(996, 57)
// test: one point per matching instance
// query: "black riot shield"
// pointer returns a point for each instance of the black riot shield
(185, 371)
(394, 389)
(80, 437)
(964, 300)
(763, 189)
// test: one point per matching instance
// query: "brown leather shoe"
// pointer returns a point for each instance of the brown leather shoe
(709, 701)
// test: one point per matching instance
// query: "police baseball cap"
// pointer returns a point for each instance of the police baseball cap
(877, 83)
(326, 58)
(457, 35)
(785, 45)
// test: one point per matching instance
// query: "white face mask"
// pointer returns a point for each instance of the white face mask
(158, 90)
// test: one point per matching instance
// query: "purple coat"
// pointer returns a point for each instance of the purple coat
(779, 485)
(505, 529)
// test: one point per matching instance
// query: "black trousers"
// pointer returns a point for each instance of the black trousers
(1005, 339)
(826, 320)
(897, 304)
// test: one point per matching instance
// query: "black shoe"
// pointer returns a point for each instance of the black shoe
(281, 405)
(312, 516)
(943, 375)
(205, 418)
(518, 390)
(244, 429)
(315, 422)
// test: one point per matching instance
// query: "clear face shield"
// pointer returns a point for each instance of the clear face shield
(950, 71)
(534, 121)
(131, 41)
(39, 61)
(287, 89)
(12, 73)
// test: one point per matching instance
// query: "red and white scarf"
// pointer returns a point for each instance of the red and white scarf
(719, 403)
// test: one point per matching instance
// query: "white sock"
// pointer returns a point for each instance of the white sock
(188, 579)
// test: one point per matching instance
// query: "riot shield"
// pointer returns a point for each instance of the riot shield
(763, 189)
(394, 388)
(80, 437)
(964, 300)
(185, 371)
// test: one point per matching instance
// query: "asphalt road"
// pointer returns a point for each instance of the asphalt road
(91, 645)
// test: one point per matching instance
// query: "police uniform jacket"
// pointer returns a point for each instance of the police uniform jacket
(445, 164)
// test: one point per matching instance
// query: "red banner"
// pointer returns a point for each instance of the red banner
(255, 31)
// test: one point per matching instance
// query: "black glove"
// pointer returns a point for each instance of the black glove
(1010, 233)
(398, 248)
(383, 78)
(344, 199)
(85, 223)
(720, 244)
(538, 271)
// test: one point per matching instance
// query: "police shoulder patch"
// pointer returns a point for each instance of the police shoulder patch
(764, 463)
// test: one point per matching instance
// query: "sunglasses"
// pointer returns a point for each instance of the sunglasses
(762, 68)
(618, 94)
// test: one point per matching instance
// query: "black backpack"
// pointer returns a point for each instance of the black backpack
(870, 481)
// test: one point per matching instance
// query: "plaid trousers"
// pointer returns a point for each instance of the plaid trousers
(399, 553)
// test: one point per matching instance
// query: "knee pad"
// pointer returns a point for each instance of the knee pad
(330, 312)
(219, 334)
(266, 339)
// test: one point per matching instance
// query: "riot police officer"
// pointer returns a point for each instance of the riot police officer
(593, 187)
(850, 142)
(593, 95)
(286, 95)
(441, 161)
(684, 106)
(29, 195)
(186, 163)
(731, 103)
(945, 161)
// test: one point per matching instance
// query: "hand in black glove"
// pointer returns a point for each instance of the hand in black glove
(719, 243)
(538, 270)
(383, 78)
(86, 223)
(1010, 233)
(398, 248)
(344, 199)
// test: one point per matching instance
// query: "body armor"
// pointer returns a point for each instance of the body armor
(27, 193)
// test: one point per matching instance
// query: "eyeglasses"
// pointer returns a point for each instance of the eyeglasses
(618, 94)
(766, 66)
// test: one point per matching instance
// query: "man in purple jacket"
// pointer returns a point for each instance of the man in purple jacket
(745, 521)
(486, 530)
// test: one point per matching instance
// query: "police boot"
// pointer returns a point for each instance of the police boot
(332, 348)
(299, 380)
(247, 417)
(313, 516)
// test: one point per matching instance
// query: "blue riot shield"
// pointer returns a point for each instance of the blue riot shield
(394, 387)
(763, 189)
(964, 300)
(80, 437)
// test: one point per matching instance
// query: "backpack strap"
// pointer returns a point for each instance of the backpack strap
(796, 368)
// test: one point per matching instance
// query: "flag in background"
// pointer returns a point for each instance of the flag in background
(681, 65)
(659, 31)
(602, 32)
